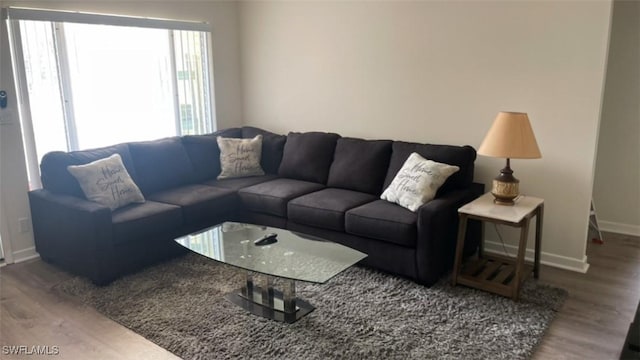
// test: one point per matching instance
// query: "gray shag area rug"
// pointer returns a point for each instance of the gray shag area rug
(360, 314)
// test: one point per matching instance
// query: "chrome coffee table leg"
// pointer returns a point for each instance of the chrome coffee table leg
(266, 301)
(289, 297)
(268, 293)
(247, 290)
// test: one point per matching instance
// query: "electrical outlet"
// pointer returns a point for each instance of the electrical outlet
(6, 116)
(25, 225)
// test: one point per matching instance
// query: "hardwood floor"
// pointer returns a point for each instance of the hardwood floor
(33, 313)
(592, 323)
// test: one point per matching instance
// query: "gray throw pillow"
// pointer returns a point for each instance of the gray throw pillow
(107, 182)
(417, 182)
(240, 157)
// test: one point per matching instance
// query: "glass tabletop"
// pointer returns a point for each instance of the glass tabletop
(294, 256)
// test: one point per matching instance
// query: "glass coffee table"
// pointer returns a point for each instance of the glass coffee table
(282, 257)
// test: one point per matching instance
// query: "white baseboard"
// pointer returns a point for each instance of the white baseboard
(618, 228)
(25, 254)
(558, 261)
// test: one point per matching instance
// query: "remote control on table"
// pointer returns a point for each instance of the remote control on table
(267, 239)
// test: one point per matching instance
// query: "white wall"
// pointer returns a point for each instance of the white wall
(439, 72)
(617, 183)
(13, 186)
(433, 72)
(224, 18)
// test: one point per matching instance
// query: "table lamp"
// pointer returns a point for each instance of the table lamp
(510, 137)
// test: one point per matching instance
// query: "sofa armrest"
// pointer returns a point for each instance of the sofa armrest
(72, 232)
(437, 232)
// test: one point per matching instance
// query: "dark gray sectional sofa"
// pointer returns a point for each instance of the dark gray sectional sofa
(317, 183)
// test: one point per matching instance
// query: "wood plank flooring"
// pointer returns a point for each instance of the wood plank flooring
(592, 323)
(32, 313)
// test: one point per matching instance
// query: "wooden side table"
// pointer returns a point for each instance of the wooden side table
(499, 274)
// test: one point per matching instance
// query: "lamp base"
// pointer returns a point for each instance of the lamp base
(505, 187)
(504, 193)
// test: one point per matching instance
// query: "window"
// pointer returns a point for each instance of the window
(186, 119)
(91, 80)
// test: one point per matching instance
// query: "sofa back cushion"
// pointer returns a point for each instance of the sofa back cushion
(461, 156)
(308, 156)
(161, 164)
(57, 179)
(204, 152)
(272, 147)
(360, 165)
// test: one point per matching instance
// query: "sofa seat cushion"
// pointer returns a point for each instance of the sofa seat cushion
(326, 208)
(239, 183)
(199, 203)
(384, 221)
(271, 197)
(143, 221)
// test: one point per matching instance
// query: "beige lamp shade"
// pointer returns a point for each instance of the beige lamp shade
(511, 137)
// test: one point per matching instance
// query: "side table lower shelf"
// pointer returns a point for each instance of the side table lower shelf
(492, 273)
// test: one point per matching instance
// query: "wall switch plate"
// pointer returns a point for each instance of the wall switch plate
(25, 225)
(6, 116)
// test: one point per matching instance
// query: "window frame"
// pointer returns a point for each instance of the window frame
(13, 16)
